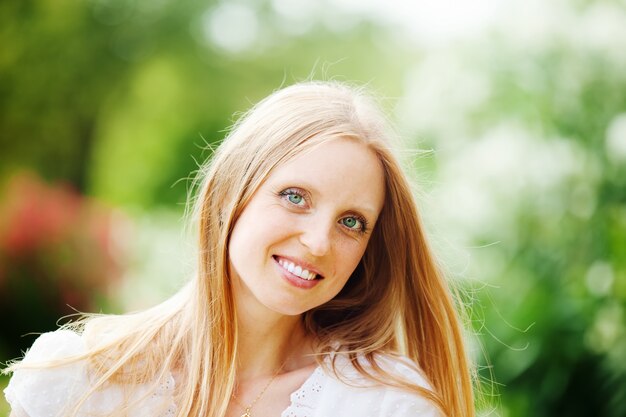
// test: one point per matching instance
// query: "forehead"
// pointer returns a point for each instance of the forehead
(341, 168)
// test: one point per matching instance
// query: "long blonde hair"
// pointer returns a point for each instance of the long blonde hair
(395, 302)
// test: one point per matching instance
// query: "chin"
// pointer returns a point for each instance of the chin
(288, 305)
(288, 310)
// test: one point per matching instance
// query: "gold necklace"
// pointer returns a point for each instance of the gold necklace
(248, 408)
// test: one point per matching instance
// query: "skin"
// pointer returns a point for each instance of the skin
(310, 210)
(339, 184)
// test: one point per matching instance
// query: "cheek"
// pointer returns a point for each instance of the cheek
(243, 239)
(349, 256)
(347, 260)
(254, 231)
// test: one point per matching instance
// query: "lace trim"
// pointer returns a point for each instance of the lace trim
(306, 398)
(166, 390)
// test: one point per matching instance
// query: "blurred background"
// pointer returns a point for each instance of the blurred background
(513, 115)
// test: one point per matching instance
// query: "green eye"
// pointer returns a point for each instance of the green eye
(295, 198)
(350, 222)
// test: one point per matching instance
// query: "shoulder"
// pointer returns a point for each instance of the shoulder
(404, 402)
(404, 368)
(60, 344)
(36, 387)
(396, 366)
(53, 375)
(348, 392)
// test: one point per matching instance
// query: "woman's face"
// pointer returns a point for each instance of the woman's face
(306, 228)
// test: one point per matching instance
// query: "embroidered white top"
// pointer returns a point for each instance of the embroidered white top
(46, 392)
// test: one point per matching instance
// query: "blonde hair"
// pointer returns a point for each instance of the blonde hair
(396, 301)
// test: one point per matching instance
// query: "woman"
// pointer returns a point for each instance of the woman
(316, 292)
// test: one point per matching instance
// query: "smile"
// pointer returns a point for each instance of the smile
(296, 269)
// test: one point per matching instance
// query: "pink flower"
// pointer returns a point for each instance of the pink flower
(57, 239)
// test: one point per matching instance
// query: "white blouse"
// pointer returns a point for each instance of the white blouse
(46, 392)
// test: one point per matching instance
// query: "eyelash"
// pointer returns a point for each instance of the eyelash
(363, 229)
(294, 191)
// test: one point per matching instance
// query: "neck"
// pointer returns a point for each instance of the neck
(268, 341)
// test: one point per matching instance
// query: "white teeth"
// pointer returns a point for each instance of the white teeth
(297, 270)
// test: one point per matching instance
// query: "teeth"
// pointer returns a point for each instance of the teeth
(297, 270)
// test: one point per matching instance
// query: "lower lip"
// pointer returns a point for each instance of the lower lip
(295, 280)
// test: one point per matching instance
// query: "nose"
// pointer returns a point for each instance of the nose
(316, 236)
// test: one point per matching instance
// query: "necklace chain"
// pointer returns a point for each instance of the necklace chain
(248, 408)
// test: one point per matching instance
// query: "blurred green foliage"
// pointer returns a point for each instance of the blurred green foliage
(4, 407)
(527, 122)
(570, 248)
(58, 255)
(116, 96)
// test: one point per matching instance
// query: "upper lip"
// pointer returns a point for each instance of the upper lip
(304, 264)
